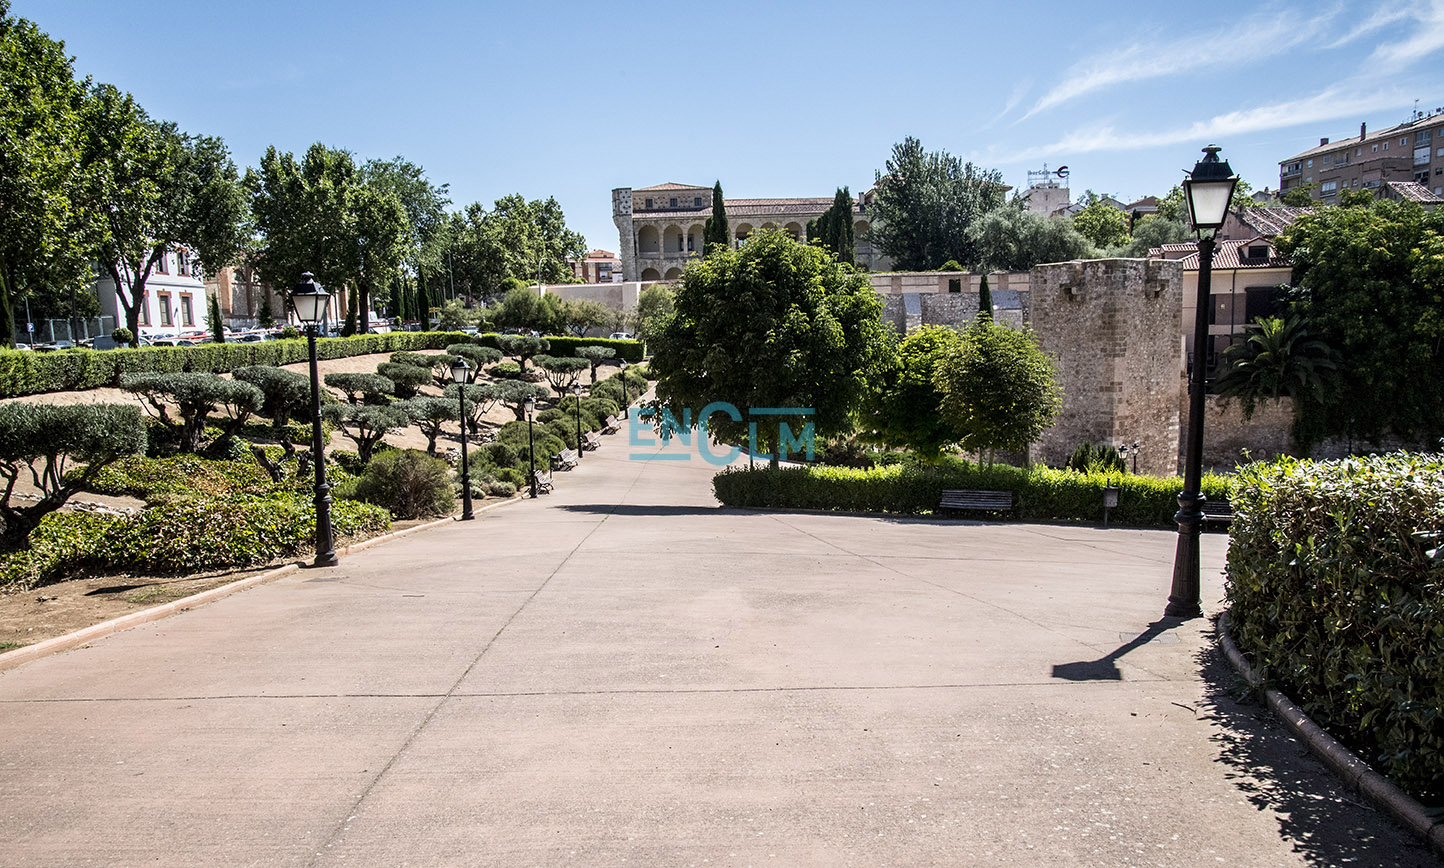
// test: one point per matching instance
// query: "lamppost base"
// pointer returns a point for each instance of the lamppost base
(326, 560)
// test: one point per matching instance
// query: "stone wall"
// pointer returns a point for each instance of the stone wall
(1266, 435)
(949, 308)
(1114, 329)
(894, 313)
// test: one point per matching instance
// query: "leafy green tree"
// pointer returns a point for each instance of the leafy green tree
(715, 232)
(408, 379)
(903, 410)
(926, 203)
(1300, 196)
(562, 373)
(477, 358)
(430, 413)
(425, 239)
(195, 396)
(303, 211)
(1370, 284)
(46, 231)
(46, 443)
(213, 318)
(776, 324)
(361, 388)
(366, 424)
(381, 234)
(833, 230)
(1012, 238)
(1155, 231)
(1278, 358)
(580, 315)
(157, 189)
(1101, 223)
(286, 393)
(999, 389)
(595, 356)
(655, 304)
(522, 347)
(512, 394)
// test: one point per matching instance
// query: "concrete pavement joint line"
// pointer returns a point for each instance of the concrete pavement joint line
(343, 824)
(965, 596)
(633, 691)
(1355, 773)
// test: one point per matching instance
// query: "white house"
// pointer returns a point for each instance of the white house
(175, 297)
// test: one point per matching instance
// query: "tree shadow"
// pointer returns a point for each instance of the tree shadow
(641, 509)
(1325, 823)
(1105, 668)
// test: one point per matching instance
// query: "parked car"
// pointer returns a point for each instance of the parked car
(622, 336)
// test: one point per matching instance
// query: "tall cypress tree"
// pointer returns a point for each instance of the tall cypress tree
(349, 328)
(395, 307)
(423, 304)
(985, 300)
(716, 231)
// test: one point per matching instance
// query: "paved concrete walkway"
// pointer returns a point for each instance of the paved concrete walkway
(621, 673)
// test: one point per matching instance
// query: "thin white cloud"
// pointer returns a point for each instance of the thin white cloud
(1329, 104)
(1380, 19)
(1250, 40)
(1020, 90)
(1425, 38)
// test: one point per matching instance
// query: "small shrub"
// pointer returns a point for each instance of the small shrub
(407, 378)
(122, 336)
(505, 371)
(1102, 458)
(501, 489)
(286, 393)
(410, 484)
(290, 333)
(362, 388)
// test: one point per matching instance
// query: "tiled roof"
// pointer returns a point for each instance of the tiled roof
(670, 185)
(1271, 221)
(1226, 256)
(1413, 191)
(601, 254)
(764, 207)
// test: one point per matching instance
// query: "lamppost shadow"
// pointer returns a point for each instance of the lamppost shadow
(1105, 668)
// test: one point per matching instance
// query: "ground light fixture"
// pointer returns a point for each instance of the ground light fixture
(1208, 191)
(309, 300)
(530, 406)
(626, 393)
(459, 370)
(577, 394)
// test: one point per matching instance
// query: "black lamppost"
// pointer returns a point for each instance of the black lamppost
(459, 368)
(577, 395)
(530, 405)
(309, 301)
(1208, 191)
(626, 392)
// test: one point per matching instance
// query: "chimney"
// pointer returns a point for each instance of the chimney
(1363, 130)
(1323, 141)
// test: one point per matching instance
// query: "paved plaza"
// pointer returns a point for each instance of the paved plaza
(623, 674)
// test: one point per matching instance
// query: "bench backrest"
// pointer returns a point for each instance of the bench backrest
(965, 499)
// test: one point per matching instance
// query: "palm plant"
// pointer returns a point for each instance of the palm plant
(1278, 358)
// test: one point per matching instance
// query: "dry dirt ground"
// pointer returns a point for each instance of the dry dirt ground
(54, 610)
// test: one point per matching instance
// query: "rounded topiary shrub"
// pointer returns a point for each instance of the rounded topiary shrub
(410, 484)
(505, 371)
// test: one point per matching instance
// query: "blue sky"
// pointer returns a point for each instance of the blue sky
(572, 99)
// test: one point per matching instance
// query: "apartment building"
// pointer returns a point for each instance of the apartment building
(175, 297)
(1411, 152)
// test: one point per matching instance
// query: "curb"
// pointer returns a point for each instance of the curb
(20, 656)
(1356, 773)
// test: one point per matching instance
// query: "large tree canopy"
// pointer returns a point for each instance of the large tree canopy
(834, 229)
(46, 233)
(774, 325)
(1012, 238)
(1370, 285)
(925, 204)
(903, 410)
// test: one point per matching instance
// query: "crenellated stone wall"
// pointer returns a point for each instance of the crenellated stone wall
(1114, 328)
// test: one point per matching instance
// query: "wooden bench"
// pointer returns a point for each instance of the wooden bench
(977, 501)
(1220, 511)
(612, 425)
(543, 482)
(591, 440)
(565, 460)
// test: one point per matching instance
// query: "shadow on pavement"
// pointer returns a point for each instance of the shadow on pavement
(1326, 824)
(639, 509)
(1105, 668)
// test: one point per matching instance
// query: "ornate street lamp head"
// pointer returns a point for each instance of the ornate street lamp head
(310, 300)
(1209, 190)
(459, 369)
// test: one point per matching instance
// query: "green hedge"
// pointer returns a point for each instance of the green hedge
(30, 373)
(1336, 583)
(1039, 493)
(565, 345)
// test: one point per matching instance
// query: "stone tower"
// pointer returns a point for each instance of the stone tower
(626, 237)
(1114, 327)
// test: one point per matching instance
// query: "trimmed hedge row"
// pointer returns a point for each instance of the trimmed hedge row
(1336, 583)
(31, 373)
(1039, 493)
